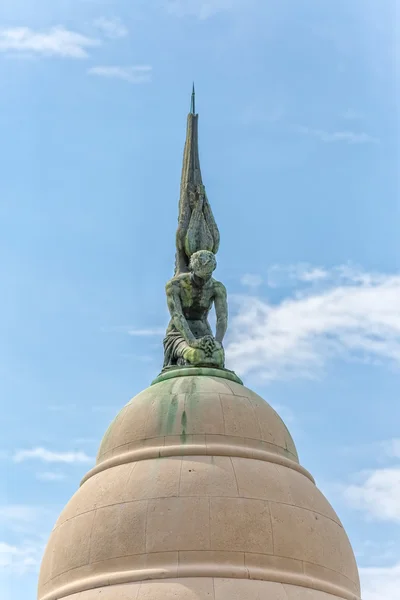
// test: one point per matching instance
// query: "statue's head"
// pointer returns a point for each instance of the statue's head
(203, 263)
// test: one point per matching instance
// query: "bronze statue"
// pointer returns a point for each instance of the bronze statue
(190, 296)
(192, 291)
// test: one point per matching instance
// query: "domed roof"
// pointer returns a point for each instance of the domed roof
(198, 493)
(200, 415)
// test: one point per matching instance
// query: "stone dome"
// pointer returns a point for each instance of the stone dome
(198, 494)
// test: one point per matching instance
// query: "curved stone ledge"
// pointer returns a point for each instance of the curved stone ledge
(173, 372)
(200, 570)
(212, 449)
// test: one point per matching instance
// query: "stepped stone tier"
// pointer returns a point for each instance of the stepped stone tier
(198, 494)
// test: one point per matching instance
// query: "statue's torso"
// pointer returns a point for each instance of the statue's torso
(196, 303)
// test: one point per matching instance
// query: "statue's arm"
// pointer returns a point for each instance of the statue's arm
(221, 310)
(175, 309)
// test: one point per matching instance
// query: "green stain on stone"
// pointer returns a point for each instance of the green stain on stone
(184, 420)
(184, 424)
(171, 416)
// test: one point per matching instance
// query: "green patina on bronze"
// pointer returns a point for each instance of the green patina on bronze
(193, 291)
(191, 371)
(190, 296)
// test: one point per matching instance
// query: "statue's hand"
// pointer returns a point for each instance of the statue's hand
(206, 343)
(196, 343)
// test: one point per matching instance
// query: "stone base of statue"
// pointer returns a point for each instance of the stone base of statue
(185, 371)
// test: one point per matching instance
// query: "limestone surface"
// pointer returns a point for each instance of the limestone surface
(197, 493)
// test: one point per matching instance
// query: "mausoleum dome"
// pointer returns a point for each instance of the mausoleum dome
(198, 494)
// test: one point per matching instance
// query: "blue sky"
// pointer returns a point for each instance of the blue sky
(298, 106)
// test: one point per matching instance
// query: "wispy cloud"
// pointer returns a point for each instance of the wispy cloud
(200, 9)
(380, 452)
(23, 540)
(377, 495)
(251, 281)
(20, 559)
(147, 332)
(58, 41)
(50, 476)
(348, 137)
(377, 554)
(279, 276)
(352, 315)
(381, 583)
(51, 457)
(392, 448)
(111, 28)
(304, 273)
(131, 74)
(17, 514)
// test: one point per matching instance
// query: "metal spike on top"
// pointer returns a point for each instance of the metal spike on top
(193, 102)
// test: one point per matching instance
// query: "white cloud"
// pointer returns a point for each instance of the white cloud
(22, 519)
(377, 494)
(352, 315)
(51, 457)
(381, 583)
(377, 451)
(111, 28)
(348, 137)
(55, 42)
(313, 274)
(251, 281)
(279, 275)
(200, 9)
(50, 476)
(392, 448)
(24, 530)
(290, 275)
(147, 332)
(132, 74)
(18, 514)
(20, 559)
(377, 554)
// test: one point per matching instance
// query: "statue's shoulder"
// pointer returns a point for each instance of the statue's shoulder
(219, 288)
(177, 281)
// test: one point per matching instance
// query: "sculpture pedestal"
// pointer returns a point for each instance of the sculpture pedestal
(197, 494)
